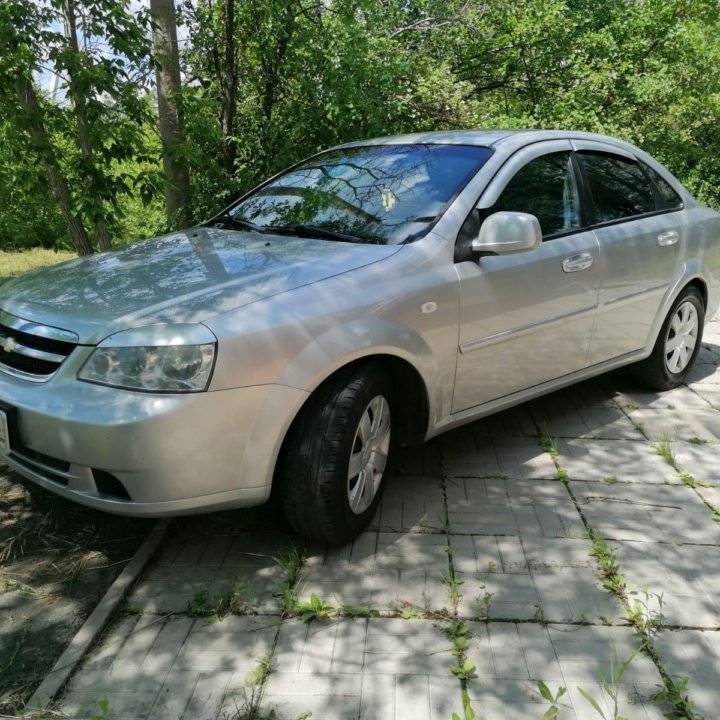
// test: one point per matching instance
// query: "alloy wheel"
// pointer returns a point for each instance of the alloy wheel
(681, 338)
(369, 454)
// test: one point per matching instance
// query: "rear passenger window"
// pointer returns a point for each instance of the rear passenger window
(665, 197)
(619, 187)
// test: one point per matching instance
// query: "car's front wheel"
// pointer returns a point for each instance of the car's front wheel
(677, 344)
(334, 459)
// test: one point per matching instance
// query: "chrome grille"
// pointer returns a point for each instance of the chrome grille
(30, 350)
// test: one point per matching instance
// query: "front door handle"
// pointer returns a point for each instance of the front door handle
(668, 238)
(574, 263)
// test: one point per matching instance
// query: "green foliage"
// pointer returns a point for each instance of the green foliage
(468, 711)
(216, 607)
(291, 563)
(353, 611)
(645, 618)
(93, 127)
(453, 585)
(103, 710)
(268, 83)
(463, 670)
(606, 556)
(611, 687)
(314, 609)
(29, 216)
(675, 693)
(552, 712)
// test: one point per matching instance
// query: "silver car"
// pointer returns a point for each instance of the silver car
(375, 295)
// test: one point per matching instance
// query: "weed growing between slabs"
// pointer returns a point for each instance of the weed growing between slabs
(647, 622)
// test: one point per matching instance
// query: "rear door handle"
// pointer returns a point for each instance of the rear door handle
(668, 238)
(574, 263)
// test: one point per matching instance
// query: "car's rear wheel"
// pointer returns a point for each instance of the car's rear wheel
(677, 344)
(333, 463)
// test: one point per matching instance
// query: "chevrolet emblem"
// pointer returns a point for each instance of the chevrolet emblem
(8, 344)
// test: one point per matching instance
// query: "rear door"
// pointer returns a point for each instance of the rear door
(634, 214)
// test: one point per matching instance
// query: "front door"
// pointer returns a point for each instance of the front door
(527, 318)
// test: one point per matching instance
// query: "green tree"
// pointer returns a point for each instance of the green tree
(98, 51)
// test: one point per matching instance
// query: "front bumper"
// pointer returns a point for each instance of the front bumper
(165, 454)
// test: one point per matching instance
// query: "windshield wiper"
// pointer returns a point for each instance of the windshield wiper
(310, 231)
(235, 222)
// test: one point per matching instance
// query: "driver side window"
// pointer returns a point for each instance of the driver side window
(545, 187)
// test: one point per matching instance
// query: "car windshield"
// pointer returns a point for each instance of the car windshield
(385, 194)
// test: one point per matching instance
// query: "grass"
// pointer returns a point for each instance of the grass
(606, 556)
(13, 264)
(216, 607)
(665, 451)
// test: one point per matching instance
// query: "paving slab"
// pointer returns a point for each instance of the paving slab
(530, 578)
(702, 461)
(657, 513)
(493, 506)
(694, 654)
(517, 421)
(163, 667)
(614, 460)
(683, 424)
(419, 460)
(563, 595)
(597, 392)
(632, 400)
(483, 554)
(384, 571)
(511, 658)
(411, 504)
(711, 496)
(247, 563)
(703, 373)
(505, 457)
(678, 582)
(376, 669)
(595, 423)
(708, 391)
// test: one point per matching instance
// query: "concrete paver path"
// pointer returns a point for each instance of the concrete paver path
(550, 544)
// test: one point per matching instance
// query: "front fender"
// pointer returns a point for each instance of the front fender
(361, 338)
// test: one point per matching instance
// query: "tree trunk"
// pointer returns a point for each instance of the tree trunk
(167, 75)
(228, 85)
(84, 140)
(36, 129)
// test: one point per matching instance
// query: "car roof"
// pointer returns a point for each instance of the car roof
(488, 138)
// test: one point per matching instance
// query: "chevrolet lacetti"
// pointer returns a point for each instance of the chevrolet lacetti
(377, 294)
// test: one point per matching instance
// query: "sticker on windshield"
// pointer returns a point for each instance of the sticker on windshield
(388, 199)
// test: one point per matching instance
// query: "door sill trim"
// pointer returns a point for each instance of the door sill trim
(476, 412)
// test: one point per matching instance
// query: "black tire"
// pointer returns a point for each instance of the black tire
(313, 468)
(654, 371)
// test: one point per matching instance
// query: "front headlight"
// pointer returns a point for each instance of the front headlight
(170, 365)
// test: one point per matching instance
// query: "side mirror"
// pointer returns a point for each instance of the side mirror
(504, 232)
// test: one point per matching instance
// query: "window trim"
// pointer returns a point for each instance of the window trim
(587, 205)
(408, 240)
(630, 218)
(656, 190)
(580, 197)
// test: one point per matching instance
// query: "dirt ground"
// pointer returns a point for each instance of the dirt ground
(57, 559)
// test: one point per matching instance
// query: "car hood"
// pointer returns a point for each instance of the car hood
(187, 276)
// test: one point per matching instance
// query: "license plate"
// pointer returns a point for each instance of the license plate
(4, 434)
